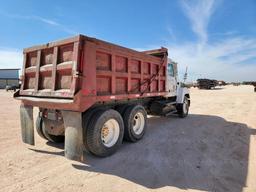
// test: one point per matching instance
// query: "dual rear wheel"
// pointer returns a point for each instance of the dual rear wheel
(104, 129)
(42, 132)
(135, 120)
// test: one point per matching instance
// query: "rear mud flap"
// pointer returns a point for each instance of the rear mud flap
(27, 124)
(73, 135)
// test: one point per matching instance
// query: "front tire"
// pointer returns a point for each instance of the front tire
(135, 123)
(105, 132)
(183, 108)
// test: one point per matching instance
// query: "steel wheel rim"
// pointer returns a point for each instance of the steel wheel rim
(110, 133)
(138, 123)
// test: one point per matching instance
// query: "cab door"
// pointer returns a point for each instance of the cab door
(171, 84)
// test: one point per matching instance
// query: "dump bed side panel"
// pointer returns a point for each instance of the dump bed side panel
(51, 70)
(124, 73)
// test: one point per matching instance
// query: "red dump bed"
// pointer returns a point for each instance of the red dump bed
(76, 73)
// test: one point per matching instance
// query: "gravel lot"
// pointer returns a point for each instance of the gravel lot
(213, 149)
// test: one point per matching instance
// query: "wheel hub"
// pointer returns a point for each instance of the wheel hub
(105, 131)
(110, 133)
(138, 123)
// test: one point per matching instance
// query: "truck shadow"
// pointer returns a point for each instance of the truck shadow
(200, 152)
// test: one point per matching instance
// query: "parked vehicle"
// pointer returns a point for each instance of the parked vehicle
(253, 83)
(221, 83)
(206, 83)
(93, 94)
(11, 87)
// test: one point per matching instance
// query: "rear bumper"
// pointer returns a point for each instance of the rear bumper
(49, 103)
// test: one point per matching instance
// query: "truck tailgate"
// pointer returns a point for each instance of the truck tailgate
(51, 70)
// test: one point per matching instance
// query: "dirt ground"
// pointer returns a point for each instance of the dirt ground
(213, 149)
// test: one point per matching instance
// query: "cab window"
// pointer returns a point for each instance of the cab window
(170, 70)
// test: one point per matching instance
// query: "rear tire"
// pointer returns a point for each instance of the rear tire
(135, 123)
(121, 108)
(86, 118)
(183, 108)
(42, 132)
(105, 132)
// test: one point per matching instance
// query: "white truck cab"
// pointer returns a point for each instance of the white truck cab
(173, 87)
(171, 83)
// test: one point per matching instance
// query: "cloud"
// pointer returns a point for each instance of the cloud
(56, 24)
(171, 33)
(231, 57)
(228, 33)
(199, 13)
(10, 58)
(220, 60)
(47, 21)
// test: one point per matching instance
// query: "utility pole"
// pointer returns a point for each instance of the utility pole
(186, 74)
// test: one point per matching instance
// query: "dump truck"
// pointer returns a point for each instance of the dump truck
(92, 94)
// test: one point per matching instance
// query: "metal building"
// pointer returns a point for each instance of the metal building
(9, 77)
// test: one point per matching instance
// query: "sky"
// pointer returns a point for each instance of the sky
(212, 38)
